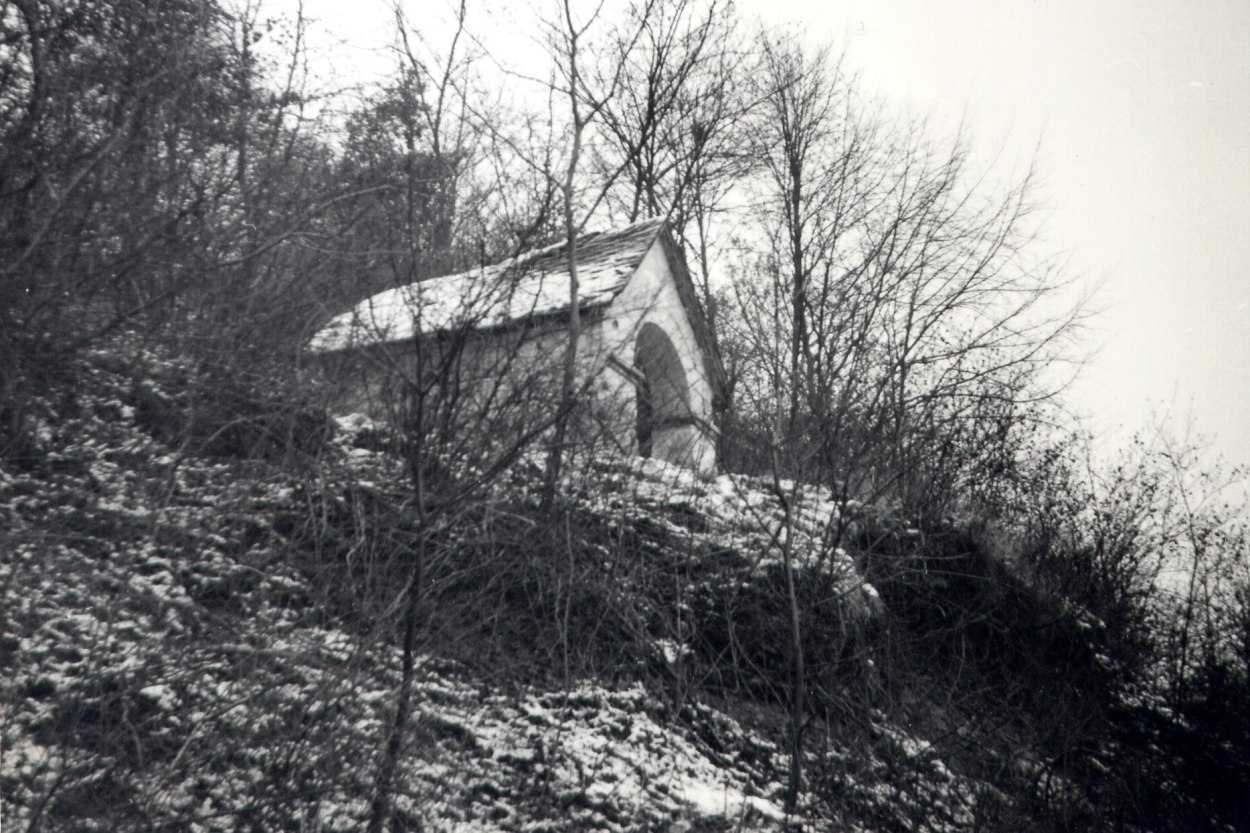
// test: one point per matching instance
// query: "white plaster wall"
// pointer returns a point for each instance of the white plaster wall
(651, 296)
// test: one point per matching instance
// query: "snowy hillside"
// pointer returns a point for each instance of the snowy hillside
(200, 639)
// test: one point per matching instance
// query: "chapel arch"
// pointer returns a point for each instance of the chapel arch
(665, 427)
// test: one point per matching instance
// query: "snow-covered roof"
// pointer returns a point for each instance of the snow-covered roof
(531, 285)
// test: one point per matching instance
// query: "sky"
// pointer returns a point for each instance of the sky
(1138, 114)
(1138, 117)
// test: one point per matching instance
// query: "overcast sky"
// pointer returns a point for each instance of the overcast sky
(1139, 113)
(1142, 110)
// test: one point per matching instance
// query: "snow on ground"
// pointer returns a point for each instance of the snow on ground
(604, 754)
(733, 513)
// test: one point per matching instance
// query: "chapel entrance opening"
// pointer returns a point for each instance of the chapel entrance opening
(665, 428)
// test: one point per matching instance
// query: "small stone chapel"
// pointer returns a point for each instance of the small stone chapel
(645, 351)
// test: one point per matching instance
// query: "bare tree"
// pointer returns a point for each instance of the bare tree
(586, 96)
(671, 103)
(894, 335)
(678, 127)
(910, 299)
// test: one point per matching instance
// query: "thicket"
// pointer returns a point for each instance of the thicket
(1075, 636)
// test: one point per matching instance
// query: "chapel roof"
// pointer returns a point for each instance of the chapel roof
(529, 286)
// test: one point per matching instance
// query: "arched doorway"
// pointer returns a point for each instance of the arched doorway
(664, 426)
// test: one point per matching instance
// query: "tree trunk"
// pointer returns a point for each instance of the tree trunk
(380, 807)
(569, 380)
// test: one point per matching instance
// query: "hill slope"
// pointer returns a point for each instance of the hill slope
(201, 636)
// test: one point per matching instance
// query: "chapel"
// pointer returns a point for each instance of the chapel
(647, 364)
